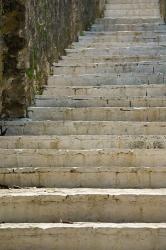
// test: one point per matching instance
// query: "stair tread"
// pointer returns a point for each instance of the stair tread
(62, 192)
(91, 225)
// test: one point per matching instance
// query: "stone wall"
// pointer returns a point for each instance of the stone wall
(34, 35)
(1, 58)
(1, 71)
(163, 8)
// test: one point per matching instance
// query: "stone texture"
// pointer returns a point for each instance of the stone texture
(163, 8)
(35, 34)
(87, 169)
(91, 236)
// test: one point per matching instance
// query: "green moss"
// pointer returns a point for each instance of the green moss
(82, 33)
(30, 73)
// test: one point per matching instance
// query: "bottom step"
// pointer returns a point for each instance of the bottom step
(83, 236)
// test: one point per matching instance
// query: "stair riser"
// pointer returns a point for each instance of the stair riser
(113, 114)
(106, 208)
(83, 142)
(132, 2)
(126, 38)
(85, 178)
(112, 91)
(105, 27)
(99, 102)
(132, 13)
(132, 6)
(98, 114)
(89, 238)
(110, 79)
(128, 20)
(89, 128)
(113, 59)
(91, 43)
(123, 68)
(116, 51)
(93, 158)
(132, 10)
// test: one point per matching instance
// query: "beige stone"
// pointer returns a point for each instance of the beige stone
(87, 169)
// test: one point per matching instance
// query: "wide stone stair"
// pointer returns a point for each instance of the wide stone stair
(87, 169)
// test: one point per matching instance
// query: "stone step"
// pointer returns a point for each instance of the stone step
(109, 41)
(129, 20)
(154, 6)
(133, 6)
(24, 127)
(83, 142)
(140, 50)
(127, 39)
(110, 59)
(107, 79)
(106, 236)
(125, 67)
(133, 13)
(84, 177)
(132, 2)
(88, 205)
(128, 27)
(155, 90)
(134, 10)
(104, 42)
(139, 10)
(124, 36)
(148, 34)
(99, 101)
(154, 41)
(148, 114)
(105, 45)
(22, 158)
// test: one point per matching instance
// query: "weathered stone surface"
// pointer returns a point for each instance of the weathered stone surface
(35, 34)
(14, 93)
(95, 148)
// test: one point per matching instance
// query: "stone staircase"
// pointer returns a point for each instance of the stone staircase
(87, 170)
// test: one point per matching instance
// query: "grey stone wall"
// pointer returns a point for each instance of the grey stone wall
(35, 34)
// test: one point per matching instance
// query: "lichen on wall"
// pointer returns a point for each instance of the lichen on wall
(35, 34)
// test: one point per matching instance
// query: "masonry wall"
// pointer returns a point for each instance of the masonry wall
(34, 34)
(1, 72)
(163, 8)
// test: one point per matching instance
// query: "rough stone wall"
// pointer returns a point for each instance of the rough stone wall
(1, 71)
(35, 34)
(163, 9)
(1, 58)
(13, 86)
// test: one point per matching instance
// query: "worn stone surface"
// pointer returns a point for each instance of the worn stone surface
(93, 149)
(35, 34)
(91, 236)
